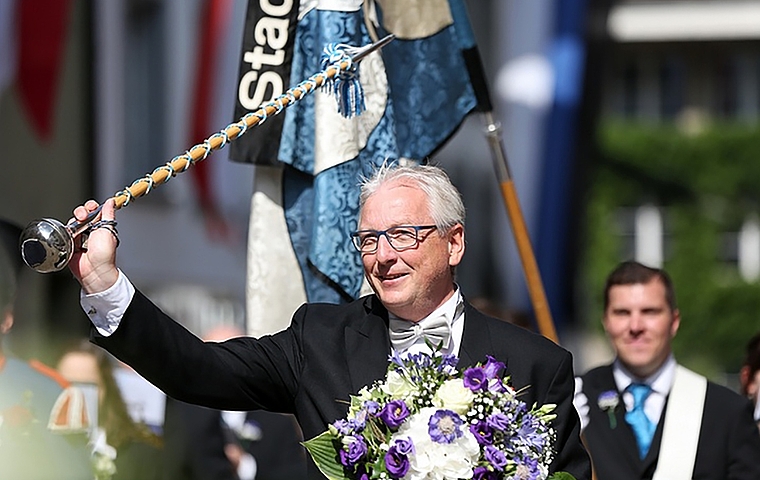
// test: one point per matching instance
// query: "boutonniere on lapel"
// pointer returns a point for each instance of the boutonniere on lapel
(608, 402)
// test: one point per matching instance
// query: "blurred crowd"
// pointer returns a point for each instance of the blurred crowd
(90, 416)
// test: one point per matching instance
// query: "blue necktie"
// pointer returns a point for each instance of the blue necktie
(643, 428)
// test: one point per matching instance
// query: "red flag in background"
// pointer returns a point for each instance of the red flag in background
(42, 29)
(215, 16)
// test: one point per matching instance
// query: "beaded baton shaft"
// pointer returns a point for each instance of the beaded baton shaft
(180, 163)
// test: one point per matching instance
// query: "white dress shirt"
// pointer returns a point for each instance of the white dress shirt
(455, 317)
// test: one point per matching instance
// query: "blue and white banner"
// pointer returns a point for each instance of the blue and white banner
(417, 92)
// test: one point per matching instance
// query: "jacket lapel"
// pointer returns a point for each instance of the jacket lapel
(476, 339)
(368, 345)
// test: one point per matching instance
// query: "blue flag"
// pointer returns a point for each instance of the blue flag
(417, 92)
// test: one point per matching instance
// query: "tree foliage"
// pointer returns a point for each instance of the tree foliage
(707, 185)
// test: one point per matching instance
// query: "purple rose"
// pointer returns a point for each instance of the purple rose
(404, 446)
(394, 413)
(353, 452)
(495, 457)
(475, 378)
(483, 473)
(396, 462)
(483, 432)
(498, 421)
(444, 426)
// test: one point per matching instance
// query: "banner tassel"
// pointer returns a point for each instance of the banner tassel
(345, 86)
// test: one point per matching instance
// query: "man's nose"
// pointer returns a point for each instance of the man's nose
(384, 250)
(636, 323)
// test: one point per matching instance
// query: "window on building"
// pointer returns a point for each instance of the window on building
(672, 86)
(630, 90)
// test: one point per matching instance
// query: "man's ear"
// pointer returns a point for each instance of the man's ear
(6, 321)
(676, 323)
(456, 244)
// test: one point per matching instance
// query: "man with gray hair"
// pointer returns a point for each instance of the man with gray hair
(410, 237)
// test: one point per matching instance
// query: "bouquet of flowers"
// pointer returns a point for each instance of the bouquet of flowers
(427, 421)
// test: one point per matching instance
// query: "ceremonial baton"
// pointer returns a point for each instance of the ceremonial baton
(47, 245)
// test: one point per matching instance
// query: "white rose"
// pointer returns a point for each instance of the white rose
(453, 395)
(397, 385)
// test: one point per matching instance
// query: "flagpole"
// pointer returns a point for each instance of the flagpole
(474, 66)
(519, 228)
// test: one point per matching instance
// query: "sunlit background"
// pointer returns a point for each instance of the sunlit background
(631, 129)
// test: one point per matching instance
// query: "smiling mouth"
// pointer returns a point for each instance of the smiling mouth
(385, 278)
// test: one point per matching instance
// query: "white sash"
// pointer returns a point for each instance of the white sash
(683, 420)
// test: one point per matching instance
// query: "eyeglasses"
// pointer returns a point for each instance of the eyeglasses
(400, 238)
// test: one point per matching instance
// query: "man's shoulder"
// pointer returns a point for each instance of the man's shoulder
(30, 375)
(515, 341)
(23, 385)
(720, 395)
(720, 398)
(332, 315)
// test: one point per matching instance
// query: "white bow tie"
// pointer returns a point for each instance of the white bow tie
(404, 334)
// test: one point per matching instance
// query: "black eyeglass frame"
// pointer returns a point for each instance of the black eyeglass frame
(356, 237)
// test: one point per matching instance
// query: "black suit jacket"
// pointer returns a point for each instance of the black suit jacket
(328, 353)
(728, 449)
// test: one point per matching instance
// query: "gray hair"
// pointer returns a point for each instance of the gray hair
(444, 200)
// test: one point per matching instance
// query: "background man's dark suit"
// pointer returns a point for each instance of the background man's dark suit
(194, 444)
(727, 435)
(195, 438)
(328, 353)
(278, 453)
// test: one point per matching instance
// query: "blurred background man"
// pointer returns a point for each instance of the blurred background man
(644, 413)
(749, 375)
(42, 432)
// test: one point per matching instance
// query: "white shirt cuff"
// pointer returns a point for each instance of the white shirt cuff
(106, 309)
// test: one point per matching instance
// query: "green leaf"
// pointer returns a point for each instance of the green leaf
(322, 451)
(561, 476)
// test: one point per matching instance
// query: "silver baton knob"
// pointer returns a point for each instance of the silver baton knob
(47, 244)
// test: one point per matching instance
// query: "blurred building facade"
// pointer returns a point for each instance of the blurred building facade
(671, 179)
